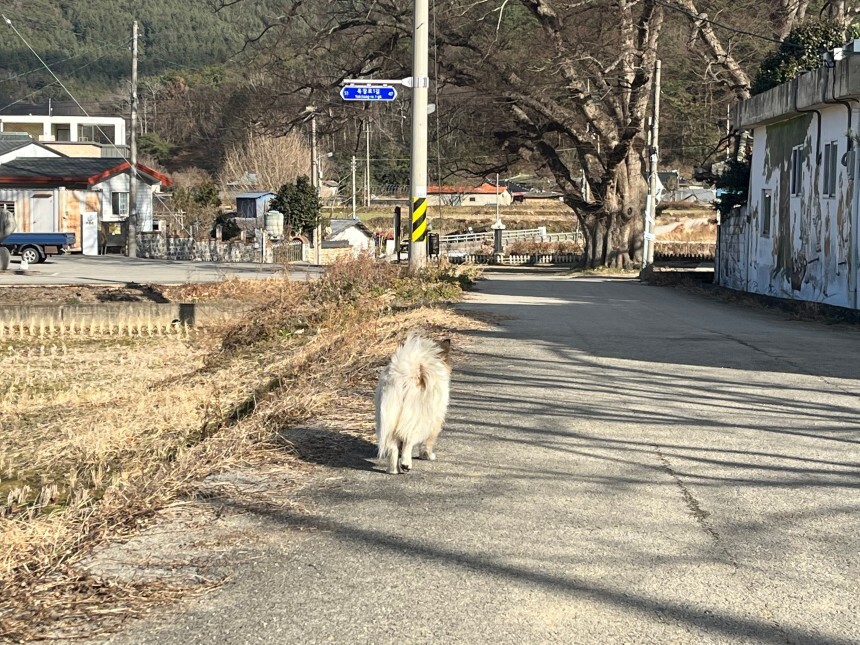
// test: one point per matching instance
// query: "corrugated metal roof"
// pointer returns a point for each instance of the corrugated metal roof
(253, 195)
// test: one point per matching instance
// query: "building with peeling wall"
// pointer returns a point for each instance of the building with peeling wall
(797, 236)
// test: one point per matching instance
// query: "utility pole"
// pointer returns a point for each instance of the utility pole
(353, 186)
(498, 227)
(651, 210)
(315, 180)
(418, 180)
(132, 178)
(498, 217)
(367, 164)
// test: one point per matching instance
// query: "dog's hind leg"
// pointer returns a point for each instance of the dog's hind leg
(406, 457)
(429, 444)
(393, 458)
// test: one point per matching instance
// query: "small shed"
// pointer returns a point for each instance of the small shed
(254, 205)
(352, 231)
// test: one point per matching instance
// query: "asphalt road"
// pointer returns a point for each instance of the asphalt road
(623, 464)
(109, 270)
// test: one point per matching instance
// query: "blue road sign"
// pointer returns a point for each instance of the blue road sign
(368, 93)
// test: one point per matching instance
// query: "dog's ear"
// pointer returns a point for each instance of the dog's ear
(446, 348)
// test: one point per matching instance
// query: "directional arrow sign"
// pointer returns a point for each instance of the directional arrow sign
(368, 93)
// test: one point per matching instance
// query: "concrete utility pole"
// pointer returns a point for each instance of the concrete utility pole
(651, 210)
(132, 178)
(315, 180)
(498, 227)
(353, 186)
(420, 90)
(367, 164)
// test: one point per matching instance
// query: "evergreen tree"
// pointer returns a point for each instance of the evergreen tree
(300, 203)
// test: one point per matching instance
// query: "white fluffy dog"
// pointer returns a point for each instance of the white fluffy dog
(411, 401)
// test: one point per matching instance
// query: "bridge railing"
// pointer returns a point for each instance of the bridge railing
(531, 234)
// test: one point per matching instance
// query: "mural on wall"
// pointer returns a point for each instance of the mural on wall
(793, 239)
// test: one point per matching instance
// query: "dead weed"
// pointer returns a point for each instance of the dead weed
(95, 442)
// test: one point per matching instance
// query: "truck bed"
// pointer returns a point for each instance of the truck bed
(17, 240)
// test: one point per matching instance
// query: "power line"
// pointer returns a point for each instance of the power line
(33, 93)
(63, 60)
(132, 167)
(700, 18)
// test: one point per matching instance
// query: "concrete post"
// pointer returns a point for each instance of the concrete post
(420, 90)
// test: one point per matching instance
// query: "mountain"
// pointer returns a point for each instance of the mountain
(87, 43)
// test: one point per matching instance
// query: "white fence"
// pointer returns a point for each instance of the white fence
(519, 260)
(530, 234)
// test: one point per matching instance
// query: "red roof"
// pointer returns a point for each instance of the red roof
(69, 170)
(483, 189)
(125, 165)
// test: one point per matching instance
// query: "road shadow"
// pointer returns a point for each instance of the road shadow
(330, 447)
(622, 318)
(133, 292)
(716, 623)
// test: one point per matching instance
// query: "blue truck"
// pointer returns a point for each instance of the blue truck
(36, 247)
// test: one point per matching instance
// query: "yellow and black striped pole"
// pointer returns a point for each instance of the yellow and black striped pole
(419, 220)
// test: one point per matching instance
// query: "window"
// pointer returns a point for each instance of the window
(797, 170)
(119, 202)
(766, 211)
(96, 133)
(62, 132)
(828, 188)
(9, 206)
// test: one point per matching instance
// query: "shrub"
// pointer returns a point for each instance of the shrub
(801, 52)
(229, 228)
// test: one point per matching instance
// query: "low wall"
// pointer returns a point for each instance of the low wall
(156, 313)
(692, 250)
(157, 246)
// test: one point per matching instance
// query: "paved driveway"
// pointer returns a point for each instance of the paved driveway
(623, 464)
(118, 269)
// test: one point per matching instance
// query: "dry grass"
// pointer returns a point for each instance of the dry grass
(98, 433)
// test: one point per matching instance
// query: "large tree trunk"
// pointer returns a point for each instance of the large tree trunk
(613, 233)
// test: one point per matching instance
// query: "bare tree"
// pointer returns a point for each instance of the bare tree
(264, 162)
(540, 77)
(565, 85)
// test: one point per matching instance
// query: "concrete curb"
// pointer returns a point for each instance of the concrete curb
(190, 313)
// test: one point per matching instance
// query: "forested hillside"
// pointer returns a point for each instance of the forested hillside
(87, 42)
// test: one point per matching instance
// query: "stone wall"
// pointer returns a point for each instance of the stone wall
(157, 246)
(332, 255)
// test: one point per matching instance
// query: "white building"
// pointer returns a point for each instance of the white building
(486, 194)
(87, 197)
(798, 235)
(91, 129)
(352, 231)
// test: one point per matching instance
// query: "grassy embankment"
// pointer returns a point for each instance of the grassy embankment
(101, 426)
